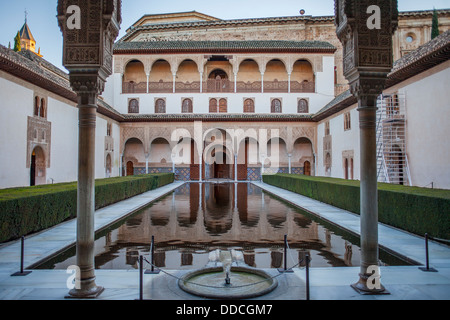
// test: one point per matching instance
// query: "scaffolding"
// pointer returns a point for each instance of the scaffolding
(392, 159)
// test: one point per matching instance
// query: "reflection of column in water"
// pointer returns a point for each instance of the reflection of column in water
(348, 253)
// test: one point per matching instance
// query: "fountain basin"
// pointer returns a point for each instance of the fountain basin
(210, 283)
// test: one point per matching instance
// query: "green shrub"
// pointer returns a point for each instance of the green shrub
(27, 210)
(413, 209)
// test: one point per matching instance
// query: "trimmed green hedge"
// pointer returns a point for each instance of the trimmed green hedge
(27, 210)
(413, 209)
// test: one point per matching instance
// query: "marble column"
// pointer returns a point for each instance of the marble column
(87, 106)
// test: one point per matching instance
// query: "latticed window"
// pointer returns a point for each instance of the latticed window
(223, 106)
(249, 106)
(327, 128)
(213, 106)
(276, 106)
(160, 106)
(187, 106)
(133, 106)
(303, 106)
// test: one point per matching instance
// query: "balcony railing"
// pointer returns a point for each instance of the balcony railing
(217, 86)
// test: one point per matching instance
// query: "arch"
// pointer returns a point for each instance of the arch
(218, 74)
(160, 78)
(134, 77)
(38, 167)
(302, 76)
(160, 150)
(276, 76)
(134, 153)
(133, 106)
(279, 146)
(187, 70)
(248, 76)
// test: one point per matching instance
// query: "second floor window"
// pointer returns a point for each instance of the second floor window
(160, 106)
(249, 106)
(276, 106)
(133, 106)
(187, 106)
(327, 128)
(347, 121)
(303, 106)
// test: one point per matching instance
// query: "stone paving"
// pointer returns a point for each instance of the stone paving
(403, 282)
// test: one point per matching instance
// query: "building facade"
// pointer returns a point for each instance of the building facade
(231, 99)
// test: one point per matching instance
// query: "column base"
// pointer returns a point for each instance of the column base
(362, 288)
(92, 293)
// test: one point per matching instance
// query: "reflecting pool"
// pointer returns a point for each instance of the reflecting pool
(198, 219)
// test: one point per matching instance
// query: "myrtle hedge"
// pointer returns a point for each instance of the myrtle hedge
(413, 209)
(32, 209)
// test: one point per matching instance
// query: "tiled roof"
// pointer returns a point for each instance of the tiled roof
(425, 57)
(225, 46)
(257, 21)
(25, 33)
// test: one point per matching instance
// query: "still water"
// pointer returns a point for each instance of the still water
(200, 218)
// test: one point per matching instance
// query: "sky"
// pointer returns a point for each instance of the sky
(42, 20)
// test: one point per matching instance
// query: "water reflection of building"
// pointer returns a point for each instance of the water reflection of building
(204, 217)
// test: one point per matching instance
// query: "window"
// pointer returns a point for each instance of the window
(133, 106)
(276, 106)
(249, 106)
(223, 106)
(186, 106)
(347, 121)
(213, 106)
(327, 128)
(36, 106)
(160, 106)
(303, 106)
(109, 129)
(42, 109)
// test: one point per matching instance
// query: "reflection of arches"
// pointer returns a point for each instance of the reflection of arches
(38, 167)
(218, 74)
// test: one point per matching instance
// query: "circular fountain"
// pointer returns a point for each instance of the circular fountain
(227, 281)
